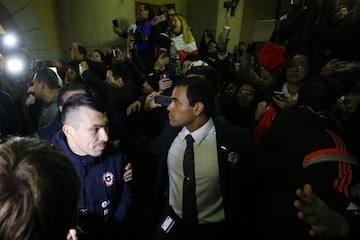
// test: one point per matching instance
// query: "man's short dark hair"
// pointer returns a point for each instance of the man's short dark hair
(192, 57)
(82, 51)
(74, 102)
(199, 89)
(119, 69)
(207, 72)
(49, 77)
(170, 6)
(69, 86)
(319, 92)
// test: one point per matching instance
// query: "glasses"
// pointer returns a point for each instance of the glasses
(298, 67)
(246, 92)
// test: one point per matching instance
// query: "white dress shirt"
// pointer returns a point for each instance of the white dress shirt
(208, 193)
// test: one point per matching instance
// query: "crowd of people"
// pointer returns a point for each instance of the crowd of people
(113, 128)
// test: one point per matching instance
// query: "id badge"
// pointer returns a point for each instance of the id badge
(167, 224)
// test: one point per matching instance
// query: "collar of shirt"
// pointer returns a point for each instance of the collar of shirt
(199, 134)
(287, 94)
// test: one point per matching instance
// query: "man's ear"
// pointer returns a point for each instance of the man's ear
(119, 81)
(67, 130)
(198, 108)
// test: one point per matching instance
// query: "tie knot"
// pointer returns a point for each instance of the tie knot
(189, 139)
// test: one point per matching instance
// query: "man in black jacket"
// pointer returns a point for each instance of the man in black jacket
(221, 157)
(301, 146)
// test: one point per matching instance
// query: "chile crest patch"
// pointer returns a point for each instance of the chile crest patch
(108, 178)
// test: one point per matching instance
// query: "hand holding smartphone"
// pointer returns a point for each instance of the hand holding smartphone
(159, 19)
(163, 100)
(165, 82)
(225, 33)
(115, 23)
(114, 51)
(165, 75)
(164, 52)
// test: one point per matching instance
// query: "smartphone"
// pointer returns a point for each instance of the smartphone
(162, 18)
(163, 100)
(165, 75)
(164, 51)
(170, 6)
(225, 33)
(115, 23)
(114, 51)
(159, 19)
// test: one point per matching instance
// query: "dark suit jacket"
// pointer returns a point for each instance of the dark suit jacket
(235, 153)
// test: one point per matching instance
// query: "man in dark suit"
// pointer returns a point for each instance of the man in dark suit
(221, 157)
